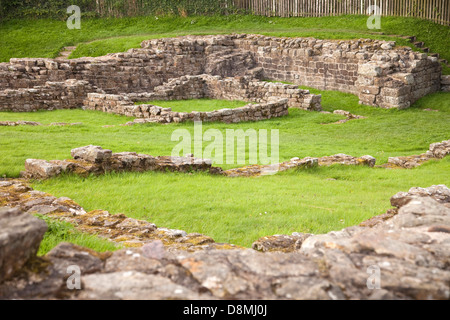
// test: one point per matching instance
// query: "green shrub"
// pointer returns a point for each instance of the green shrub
(112, 8)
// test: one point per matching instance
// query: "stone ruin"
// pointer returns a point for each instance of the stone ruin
(273, 100)
(436, 151)
(94, 160)
(68, 94)
(379, 73)
(410, 244)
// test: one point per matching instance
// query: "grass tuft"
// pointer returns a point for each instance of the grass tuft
(60, 231)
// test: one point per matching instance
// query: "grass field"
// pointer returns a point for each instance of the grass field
(240, 210)
(383, 134)
(234, 210)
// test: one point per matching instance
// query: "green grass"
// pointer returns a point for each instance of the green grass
(228, 209)
(45, 38)
(60, 231)
(385, 133)
(201, 105)
(240, 210)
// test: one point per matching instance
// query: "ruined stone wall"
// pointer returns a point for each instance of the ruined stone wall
(137, 70)
(379, 73)
(51, 96)
(122, 105)
(376, 71)
(238, 88)
(96, 160)
(248, 89)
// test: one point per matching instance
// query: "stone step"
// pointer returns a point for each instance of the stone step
(419, 44)
(426, 49)
(410, 38)
(67, 51)
(436, 55)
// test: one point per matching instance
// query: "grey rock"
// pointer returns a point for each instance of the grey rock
(133, 285)
(20, 237)
(91, 153)
(440, 193)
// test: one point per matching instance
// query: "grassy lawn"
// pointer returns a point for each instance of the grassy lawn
(234, 209)
(201, 105)
(385, 133)
(45, 38)
(240, 210)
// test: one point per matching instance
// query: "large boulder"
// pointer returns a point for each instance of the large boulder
(20, 237)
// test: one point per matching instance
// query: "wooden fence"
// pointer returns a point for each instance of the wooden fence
(435, 10)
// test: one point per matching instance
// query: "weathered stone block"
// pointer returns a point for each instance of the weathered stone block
(20, 237)
(91, 153)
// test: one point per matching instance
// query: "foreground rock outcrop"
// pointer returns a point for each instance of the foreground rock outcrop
(20, 236)
(410, 252)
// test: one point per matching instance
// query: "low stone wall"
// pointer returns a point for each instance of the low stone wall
(34, 123)
(96, 160)
(53, 95)
(274, 99)
(437, 150)
(150, 113)
(237, 88)
(297, 163)
(253, 90)
(377, 71)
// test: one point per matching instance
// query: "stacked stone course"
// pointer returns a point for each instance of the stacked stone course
(51, 96)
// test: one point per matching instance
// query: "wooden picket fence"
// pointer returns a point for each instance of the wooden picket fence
(435, 10)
